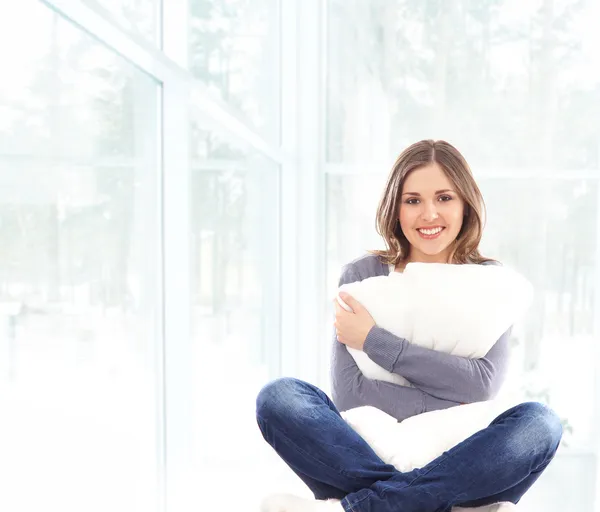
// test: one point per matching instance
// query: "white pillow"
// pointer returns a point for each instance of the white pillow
(457, 309)
(416, 441)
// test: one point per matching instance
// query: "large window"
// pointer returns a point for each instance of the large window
(78, 270)
(234, 49)
(516, 88)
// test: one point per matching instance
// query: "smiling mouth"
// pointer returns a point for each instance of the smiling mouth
(430, 234)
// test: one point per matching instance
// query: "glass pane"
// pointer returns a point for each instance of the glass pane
(234, 49)
(235, 302)
(511, 84)
(78, 271)
(140, 16)
(552, 240)
(351, 207)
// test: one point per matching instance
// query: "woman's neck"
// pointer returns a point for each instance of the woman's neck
(422, 258)
(442, 257)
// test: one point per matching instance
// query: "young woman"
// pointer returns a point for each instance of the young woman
(430, 211)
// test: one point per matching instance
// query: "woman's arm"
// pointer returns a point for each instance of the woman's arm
(351, 389)
(442, 375)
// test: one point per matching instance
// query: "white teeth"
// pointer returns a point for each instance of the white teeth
(430, 231)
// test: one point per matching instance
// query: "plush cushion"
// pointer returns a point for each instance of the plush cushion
(458, 309)
(418, 440)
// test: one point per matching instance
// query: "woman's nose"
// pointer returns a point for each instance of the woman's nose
(429, 212)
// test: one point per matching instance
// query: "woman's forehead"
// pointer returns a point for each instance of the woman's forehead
(427, 180)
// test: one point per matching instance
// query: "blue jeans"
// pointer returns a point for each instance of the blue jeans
(498, 463)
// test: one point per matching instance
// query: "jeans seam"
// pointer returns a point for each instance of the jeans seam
(287, 439)
(351, 505)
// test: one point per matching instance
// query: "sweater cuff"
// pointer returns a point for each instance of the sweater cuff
(383, 347)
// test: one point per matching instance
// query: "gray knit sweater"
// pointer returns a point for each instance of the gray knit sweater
(441, 380)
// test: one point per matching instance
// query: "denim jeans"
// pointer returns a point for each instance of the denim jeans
(498, 463)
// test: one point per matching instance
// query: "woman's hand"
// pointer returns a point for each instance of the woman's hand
(352, 327)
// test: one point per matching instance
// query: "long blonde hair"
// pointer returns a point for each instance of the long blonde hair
(466, 246)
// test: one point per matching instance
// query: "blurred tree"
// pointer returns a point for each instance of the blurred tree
(229, 52)
(66, 234)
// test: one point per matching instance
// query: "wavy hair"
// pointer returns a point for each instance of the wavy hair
(465, 249)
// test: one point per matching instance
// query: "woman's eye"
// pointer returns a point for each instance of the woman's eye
(414, 200)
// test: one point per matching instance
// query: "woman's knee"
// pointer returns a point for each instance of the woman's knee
(282, 397)
(541, 428)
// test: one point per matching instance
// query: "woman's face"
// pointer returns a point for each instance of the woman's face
(431, 214)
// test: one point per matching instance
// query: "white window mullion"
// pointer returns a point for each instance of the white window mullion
(178, 384)
(178, 372)
(289, 188)
(596, 357)
(104, 26)
(310, 226)
(175, 33)
(145, 254)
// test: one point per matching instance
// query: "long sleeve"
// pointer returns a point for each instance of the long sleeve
(351, 389)
(443, 375)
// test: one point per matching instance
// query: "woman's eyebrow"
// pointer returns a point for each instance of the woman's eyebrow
(437, 192)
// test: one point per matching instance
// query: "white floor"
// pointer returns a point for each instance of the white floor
(73, 440)
(57, 459)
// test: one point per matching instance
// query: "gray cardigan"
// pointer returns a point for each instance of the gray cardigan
(441, 380)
